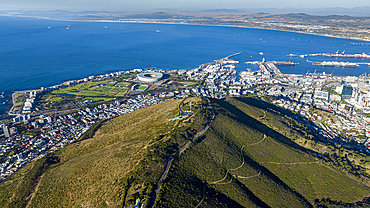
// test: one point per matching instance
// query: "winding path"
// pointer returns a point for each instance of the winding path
(241, 177)
(204, 191)
(172, 157)
(247, 177)
(241, 152)
(180, 110)
(264, 116)
(296, 163)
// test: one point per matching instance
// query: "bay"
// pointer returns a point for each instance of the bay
(38, 53)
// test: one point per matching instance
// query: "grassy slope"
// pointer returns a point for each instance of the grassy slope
(93, 172)
(87, 169)
(113, 152)
(312, 181)
(7, 193)
(237, 124)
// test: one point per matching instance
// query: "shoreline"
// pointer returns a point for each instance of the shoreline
(148, 21)
(10, 107)
(8, 113)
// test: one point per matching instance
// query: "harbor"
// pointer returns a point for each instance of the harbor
(337, 64)
(333, 55)
(227, 59)
(268, 69)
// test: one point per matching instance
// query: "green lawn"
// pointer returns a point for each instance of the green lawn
(121, 94)
(142, 87)
(98, 99)
(110, 84)
(93, 89)
(122, 84)
(131, 75)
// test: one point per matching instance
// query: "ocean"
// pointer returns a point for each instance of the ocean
(38, 53)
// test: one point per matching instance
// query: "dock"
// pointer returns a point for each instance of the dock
(279, 63)
(222, 60)
(227, 57)
(336, 63)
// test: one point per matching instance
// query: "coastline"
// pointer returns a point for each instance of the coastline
(9, 108)
(149, 21)
(10, 113)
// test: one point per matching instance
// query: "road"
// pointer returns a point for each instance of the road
(172, 157)
(180, 110)
(296, 163)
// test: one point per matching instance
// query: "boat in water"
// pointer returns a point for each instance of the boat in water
(158, 31)
(335, 63)
(230, 62)
(364, 55)
(339, 55)
(284, 63)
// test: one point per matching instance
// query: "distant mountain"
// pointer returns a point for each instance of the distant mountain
(357, 11)
(165, 13)
(156, 15)
(228, 11)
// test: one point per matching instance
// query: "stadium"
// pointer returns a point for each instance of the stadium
(149, 77)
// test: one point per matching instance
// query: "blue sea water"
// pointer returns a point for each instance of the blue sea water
(38, 52)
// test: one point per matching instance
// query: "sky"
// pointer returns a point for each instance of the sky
(150, 5)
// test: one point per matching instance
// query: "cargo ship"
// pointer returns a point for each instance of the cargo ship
(337, 55)
(230, 62)
(364, 55)
(335, 63)
(284, 63)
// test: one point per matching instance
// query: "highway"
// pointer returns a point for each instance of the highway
(172, 157)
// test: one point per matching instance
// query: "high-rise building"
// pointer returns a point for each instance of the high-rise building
(356, 93)
(6, 131)
(48, 119)
(347, 91)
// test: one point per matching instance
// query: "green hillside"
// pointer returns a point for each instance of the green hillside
(243, 162)
(254, 154)
(122, 162)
